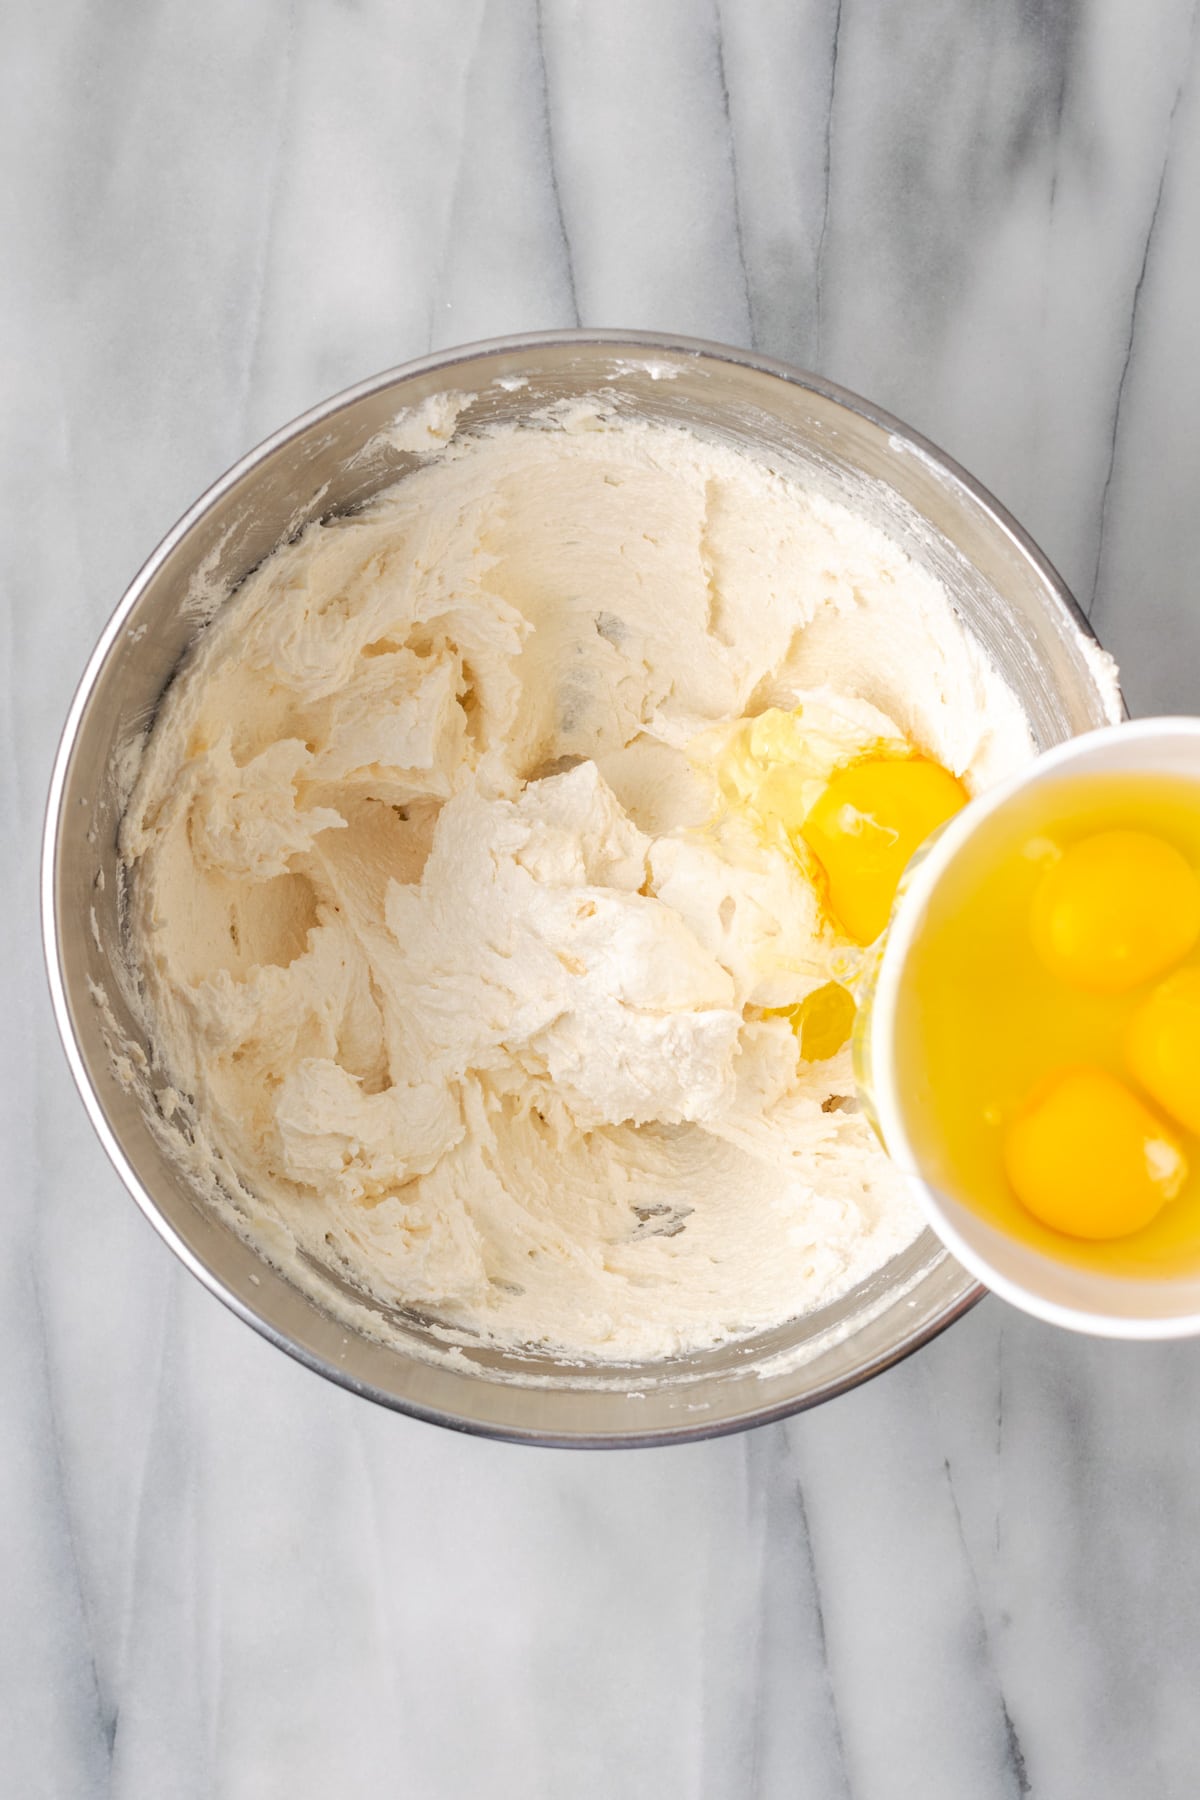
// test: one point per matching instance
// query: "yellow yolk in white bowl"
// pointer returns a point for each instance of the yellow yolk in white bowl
(1115, 910)
(1049, 1023)
(1162, 1048)
(1086, 1157)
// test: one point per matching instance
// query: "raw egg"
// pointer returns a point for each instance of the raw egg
(1086, 1157)
(1162, 1049)
(865, 827)
(822, 1021)
(1115, 910)
(1048, 1024)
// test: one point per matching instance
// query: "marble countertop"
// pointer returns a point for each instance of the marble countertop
(977, 1577)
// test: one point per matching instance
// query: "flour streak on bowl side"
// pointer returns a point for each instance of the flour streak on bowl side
(329, 462)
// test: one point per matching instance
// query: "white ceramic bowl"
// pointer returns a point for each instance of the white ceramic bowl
(1081, 1299)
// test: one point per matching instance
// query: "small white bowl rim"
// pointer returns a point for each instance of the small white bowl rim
(885, 1096)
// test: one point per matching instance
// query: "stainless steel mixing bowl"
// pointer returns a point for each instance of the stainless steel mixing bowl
(330, 461)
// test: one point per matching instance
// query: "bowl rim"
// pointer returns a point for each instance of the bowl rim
(455, 358)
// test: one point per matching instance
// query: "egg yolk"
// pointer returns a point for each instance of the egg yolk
(1162, 1047)
(822, 1021)
(1086, 1157)
(866, 825)
(1114, 910)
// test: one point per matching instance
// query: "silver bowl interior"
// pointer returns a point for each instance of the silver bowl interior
(329, 462)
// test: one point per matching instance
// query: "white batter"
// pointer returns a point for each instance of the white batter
(446, 930)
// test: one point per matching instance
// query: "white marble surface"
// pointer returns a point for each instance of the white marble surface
(979, 1576)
